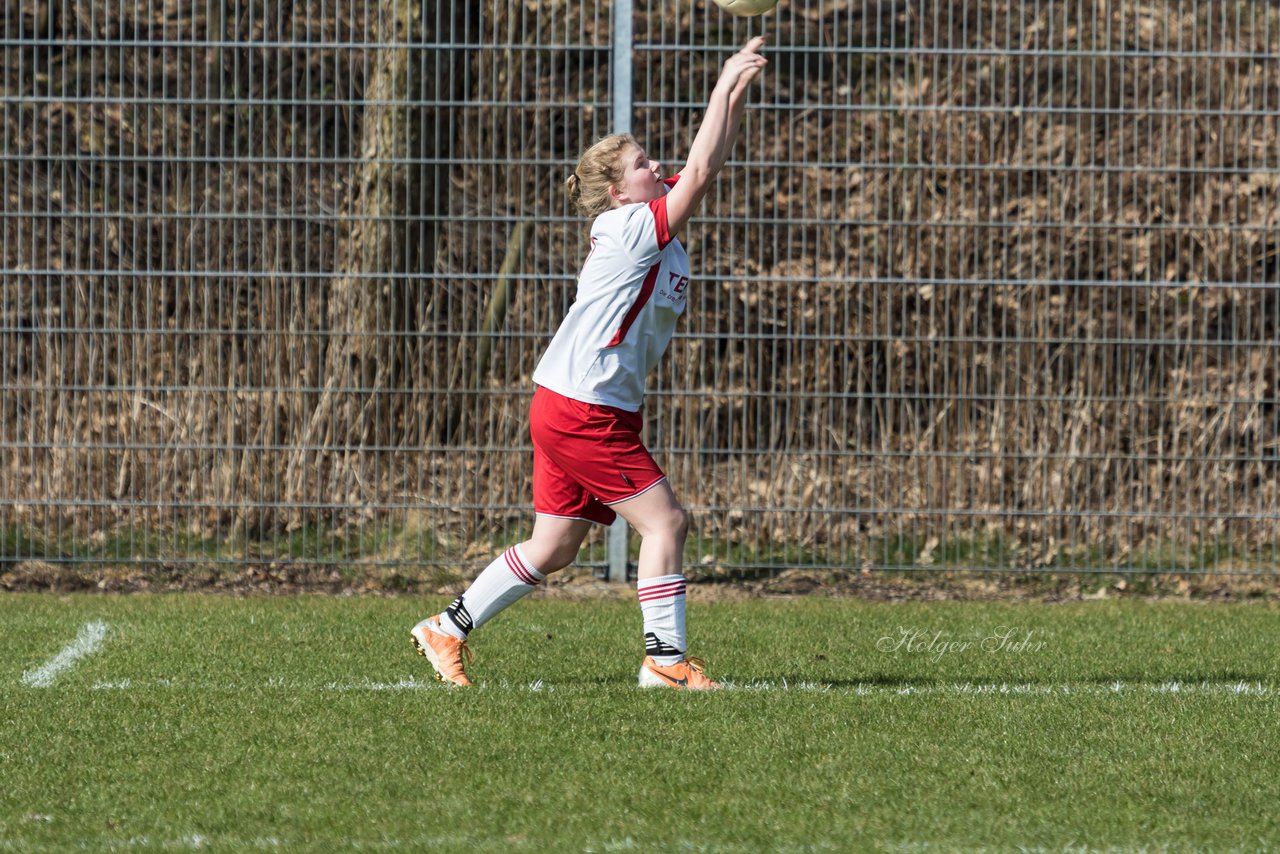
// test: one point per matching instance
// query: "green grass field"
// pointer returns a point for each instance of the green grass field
(203, 722)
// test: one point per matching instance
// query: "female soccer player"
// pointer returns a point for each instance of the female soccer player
(589, 463)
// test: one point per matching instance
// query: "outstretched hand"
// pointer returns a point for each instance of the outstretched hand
(741, 68)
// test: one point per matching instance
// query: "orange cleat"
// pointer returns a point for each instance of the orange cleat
(445, 652)
(685, 675)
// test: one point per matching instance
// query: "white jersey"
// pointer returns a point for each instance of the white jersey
(631, 292)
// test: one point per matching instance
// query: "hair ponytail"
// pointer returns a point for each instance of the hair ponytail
(573, 186)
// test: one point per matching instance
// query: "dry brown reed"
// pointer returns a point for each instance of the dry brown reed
(1022, 298)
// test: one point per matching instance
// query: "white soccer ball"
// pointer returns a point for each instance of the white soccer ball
(746, 8)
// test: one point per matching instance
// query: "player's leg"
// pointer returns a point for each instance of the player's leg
(598, 451)
(663, 526)
(565, 514)
(509, 578)
(515, 573)
(555, 542)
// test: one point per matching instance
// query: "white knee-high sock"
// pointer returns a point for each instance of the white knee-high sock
(662, 605)
(503, 583)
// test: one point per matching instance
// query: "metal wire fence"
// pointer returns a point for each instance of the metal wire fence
(985, 286)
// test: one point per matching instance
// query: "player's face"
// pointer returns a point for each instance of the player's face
(641, 178)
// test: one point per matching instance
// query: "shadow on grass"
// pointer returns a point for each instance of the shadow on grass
(881, 680)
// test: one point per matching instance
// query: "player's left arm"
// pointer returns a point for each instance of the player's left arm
(711, 144)
(737, 106)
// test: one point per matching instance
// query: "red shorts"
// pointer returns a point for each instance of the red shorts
(586, 457)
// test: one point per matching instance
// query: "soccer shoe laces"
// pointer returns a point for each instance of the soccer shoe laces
(463, 652)
(697, 674)
(465, 655)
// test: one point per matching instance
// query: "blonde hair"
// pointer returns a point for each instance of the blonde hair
(599, 168)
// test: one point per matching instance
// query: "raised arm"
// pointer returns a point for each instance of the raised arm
(716, 135)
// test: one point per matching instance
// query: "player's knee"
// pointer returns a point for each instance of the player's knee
(678, 524)
(670, 523)
(560, 555)
(551, 554)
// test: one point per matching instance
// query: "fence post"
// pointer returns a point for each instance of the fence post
(622, 104)
(618, 552)
(621, 62)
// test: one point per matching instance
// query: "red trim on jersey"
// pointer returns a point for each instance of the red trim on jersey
(659, 208)
(646, 291)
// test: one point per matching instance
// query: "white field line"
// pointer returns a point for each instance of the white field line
(86, 643)
(203, 842)
(950, 689)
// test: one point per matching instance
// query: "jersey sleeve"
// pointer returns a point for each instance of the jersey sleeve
(643, 230)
